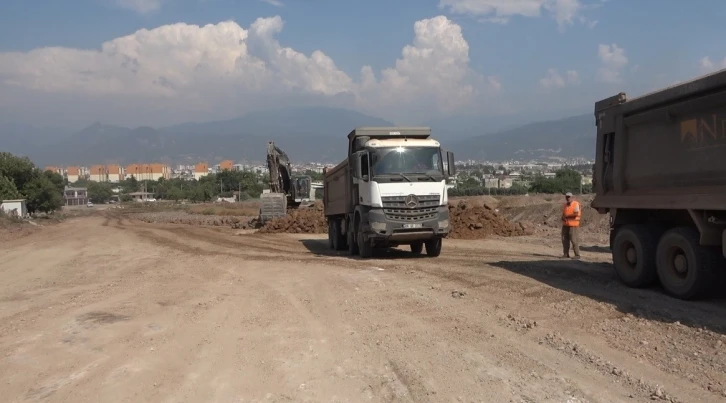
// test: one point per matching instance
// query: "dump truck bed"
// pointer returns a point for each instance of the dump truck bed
(336, 186)
(664, 150)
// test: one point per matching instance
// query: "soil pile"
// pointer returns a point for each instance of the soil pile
(546, 214)
(304, 220)
(181, 217)
(480, 221)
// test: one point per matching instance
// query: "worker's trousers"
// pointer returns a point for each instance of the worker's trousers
(570, 235)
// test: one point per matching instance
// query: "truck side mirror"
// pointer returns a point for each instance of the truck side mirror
(451, 162)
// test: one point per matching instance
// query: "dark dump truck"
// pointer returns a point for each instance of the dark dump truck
(660, 171)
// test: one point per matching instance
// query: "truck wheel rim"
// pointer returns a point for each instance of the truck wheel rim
(680, 264)
(632, 255)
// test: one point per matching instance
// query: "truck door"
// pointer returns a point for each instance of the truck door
(362, 178)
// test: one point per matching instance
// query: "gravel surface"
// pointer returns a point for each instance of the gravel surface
(112, 309)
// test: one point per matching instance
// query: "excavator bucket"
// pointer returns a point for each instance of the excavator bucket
(272, 205)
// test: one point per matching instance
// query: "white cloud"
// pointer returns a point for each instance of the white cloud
(276, 3)
(184, 72)
(494, 82)
(565, 12)
(613, 60)
(573, 77)
(708, 66)
(141, 6)
(553, 79)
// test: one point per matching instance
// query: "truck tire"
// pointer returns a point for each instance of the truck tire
(417, 247)
(633, 249)
(433, 247)
(330, 234)
(365, 247)
(685, 268)
(338, 238)
(351, 241)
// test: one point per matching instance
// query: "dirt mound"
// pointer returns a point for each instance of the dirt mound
(305, 220)
(549, 214)
(181, 217)
(476, 222)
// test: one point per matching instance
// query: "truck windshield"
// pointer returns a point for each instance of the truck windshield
(403, 160)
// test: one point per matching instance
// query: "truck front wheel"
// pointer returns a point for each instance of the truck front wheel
(633, 249)
(417, 247)
(352, 243)
(433, 247)
(685, 268)
(365, 246)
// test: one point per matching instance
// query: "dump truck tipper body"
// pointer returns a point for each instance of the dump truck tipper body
(660, 172)
(390, 191)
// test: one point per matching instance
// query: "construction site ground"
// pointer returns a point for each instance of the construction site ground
(110, 308)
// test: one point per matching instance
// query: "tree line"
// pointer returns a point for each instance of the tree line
(565, 180)
(21, 179)
(248, 184)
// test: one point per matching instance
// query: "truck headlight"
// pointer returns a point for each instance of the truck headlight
(378, 226)
(444, 224)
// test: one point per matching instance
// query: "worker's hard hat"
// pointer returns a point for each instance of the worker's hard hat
(568, 194)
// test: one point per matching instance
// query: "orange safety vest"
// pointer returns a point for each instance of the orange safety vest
(572, 210)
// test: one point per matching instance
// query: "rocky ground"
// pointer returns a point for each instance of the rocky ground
(111, 308)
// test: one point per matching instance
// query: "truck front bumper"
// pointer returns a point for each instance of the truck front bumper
(381, 228)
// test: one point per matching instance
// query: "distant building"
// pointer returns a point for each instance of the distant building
(115, 173)
(227, 165)
(151, 172)
(54, 169)
(98, 173)
(201, 170)
(141, 196)
(15, 207)
(75, 196)
(73, 174)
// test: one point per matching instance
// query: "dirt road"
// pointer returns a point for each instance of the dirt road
(101, 309)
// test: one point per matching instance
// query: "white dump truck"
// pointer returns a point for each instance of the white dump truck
(390, 191)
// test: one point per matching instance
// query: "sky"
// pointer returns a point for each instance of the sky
(161, 62)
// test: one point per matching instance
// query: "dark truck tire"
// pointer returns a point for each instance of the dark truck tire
(686, 269)
(365, 246)
(634, 255)
(352, 242)
(331, 245)
(417, 247)
(433, 247)
(338, 238)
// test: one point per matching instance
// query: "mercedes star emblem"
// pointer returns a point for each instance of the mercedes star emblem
(411, 201)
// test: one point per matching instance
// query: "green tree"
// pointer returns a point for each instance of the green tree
(42, 194)
(100, 192)
(565, 180)
(42, 190)
(8, 191)
(18, 169)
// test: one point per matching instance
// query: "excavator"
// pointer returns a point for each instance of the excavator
(286, 190)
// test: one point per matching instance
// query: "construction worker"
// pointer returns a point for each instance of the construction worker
(571, 213)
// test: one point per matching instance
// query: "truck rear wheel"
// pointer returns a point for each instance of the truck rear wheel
(433, 247)
(330, 234)
(685, 268)
(338, 238)
(633, 250)
(417, 247)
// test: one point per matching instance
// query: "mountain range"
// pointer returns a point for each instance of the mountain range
(306, 134)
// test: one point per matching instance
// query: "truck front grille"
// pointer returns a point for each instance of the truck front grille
(395, 208)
